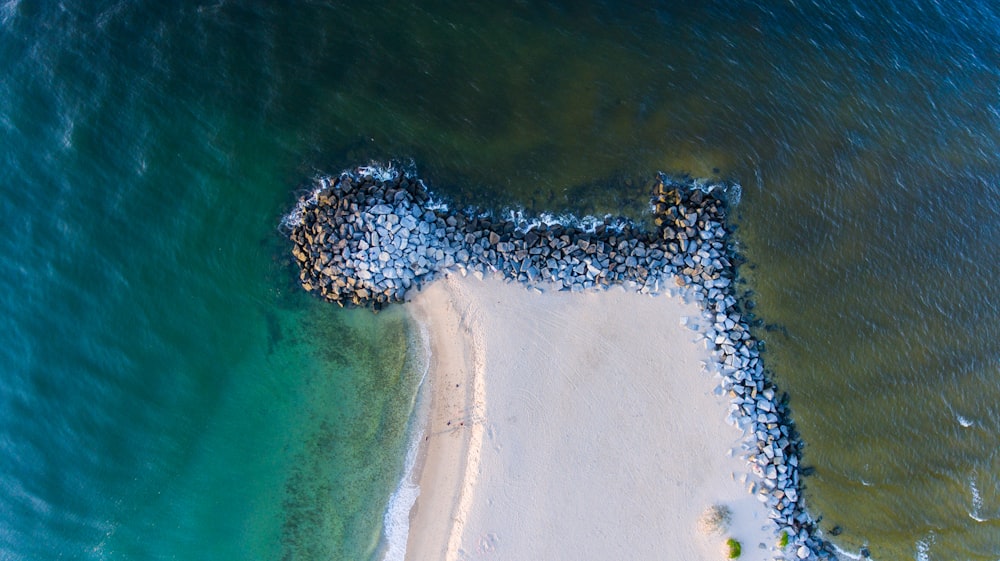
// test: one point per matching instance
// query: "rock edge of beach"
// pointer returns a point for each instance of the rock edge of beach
(370, 235)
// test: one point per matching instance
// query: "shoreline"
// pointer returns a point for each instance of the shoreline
(372, 237)
(447, 462)
(396, 518)
(472, 510)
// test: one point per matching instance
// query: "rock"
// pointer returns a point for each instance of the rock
(364, 241)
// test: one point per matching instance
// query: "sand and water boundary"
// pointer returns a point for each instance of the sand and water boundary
(373, 237)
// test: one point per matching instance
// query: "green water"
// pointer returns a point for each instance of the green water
(168, 392)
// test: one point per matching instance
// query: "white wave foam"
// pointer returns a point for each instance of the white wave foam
(846, 554)
(924, 547)
(378, 170)
(977, 502)
(294, 217)
(396, 520)
(390, 171)
(588, 223)
(963, 421)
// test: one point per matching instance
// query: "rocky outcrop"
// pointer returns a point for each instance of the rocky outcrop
(369, 236)
(364, 240)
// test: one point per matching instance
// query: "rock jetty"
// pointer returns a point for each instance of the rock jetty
(369, 236)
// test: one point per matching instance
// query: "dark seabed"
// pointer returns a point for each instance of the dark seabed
(168, 392)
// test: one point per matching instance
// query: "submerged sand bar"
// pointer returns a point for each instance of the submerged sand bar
(573, 426)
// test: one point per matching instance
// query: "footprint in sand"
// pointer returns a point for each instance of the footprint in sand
(488, 543)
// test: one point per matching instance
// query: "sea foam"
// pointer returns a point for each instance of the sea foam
(977, 502)
(396, 520)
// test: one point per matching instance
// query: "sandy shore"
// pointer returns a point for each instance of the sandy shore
(573, 427)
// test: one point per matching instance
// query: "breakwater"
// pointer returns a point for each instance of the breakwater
(369, 236)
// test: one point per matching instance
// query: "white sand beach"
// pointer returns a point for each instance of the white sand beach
(573, 427)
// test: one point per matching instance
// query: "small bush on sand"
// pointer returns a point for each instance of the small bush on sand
(734, 548)
(716, 519)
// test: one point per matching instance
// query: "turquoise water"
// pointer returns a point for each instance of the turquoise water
(167, 392)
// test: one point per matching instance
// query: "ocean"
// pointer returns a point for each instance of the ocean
(169, 392)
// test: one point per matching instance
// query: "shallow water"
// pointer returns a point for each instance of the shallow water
(169, 393)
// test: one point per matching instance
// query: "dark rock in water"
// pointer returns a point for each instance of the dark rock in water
(836, 531)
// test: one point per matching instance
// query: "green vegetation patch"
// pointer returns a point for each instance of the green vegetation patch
(734, 548)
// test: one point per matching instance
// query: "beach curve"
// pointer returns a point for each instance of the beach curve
(593, 432)
(374, 237)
